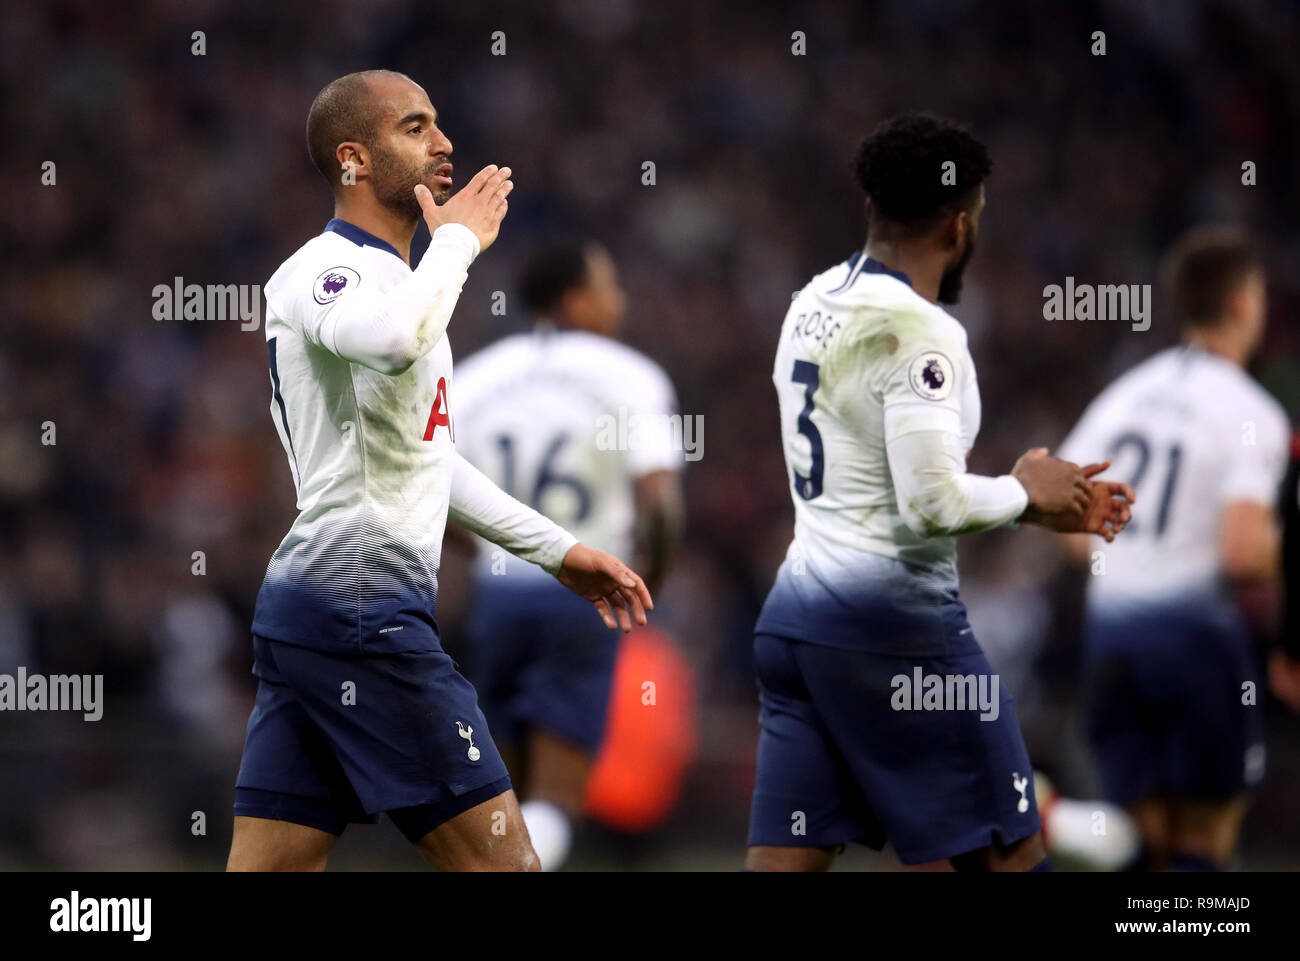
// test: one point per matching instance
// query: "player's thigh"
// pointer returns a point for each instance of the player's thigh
(804, 793)
(490, 836)
(1208, 828)
(940, 782)
(557, 771)
(761, 857)
(262, 844)
(565, 688)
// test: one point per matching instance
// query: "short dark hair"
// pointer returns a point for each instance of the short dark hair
(1204, 268)
(900, 166)
(342, 111)
(551, 272)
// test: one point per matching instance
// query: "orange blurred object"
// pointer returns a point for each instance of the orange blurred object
(651, 738)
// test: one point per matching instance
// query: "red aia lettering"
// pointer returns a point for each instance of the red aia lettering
(439, 418)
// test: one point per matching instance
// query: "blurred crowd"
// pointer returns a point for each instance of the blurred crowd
(169, 163)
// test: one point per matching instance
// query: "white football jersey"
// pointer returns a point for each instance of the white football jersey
(371, 457)
(858, 342)
(1191, 432)
(567, 421)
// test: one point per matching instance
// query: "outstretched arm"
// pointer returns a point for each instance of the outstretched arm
(482, 507)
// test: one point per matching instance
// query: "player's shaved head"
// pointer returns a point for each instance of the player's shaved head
(347, 109)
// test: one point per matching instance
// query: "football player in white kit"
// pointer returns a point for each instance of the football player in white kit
(882, 720)
(581, 427)
(359, 710)
(1174, 714)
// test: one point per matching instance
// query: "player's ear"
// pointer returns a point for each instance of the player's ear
(958, 227)
(354, 160)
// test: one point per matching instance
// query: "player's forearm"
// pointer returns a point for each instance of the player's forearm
(659, 523)
(391, 332)
(485, 509)
(937, 498)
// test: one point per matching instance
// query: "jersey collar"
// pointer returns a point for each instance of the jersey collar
(362, 238)
(869, 265)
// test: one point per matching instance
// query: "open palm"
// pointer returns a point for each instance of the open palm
(611, 586)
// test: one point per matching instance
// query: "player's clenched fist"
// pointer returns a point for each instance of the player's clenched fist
(480, 205)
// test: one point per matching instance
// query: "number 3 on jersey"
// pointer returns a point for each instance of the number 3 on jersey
(806, 373)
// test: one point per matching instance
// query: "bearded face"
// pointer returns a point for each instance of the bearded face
(950, 282)
(394, 181)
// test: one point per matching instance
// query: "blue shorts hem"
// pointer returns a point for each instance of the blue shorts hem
(294, 808)
(416, 821)
(970, 841)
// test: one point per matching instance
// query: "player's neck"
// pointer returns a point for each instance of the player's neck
(385, 224)
(922, 268)
(1219, 343)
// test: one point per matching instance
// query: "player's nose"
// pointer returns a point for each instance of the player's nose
(440, 144)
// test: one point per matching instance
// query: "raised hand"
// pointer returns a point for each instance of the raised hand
(480, 205)
(608, 583)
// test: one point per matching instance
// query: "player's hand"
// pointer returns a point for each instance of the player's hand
(1284, 678)
(608, 583)
(1110, 506)
(1054, 486)
(480, 205)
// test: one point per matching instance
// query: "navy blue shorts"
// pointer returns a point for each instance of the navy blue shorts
(1163, 701)
(541, 658)
(847, 753)
(336, 739)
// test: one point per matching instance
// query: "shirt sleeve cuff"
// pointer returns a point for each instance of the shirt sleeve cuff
(550, 556)
(458, 235)
(1016, 491)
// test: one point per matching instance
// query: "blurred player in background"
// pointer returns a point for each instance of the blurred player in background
(1171, 675)
(1284, 662)
(879, 408)
(539, 413)
(359, 711)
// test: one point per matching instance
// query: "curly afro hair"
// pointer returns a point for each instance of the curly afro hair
(901, 168)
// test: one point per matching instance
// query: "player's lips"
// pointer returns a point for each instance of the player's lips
(443, 175)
